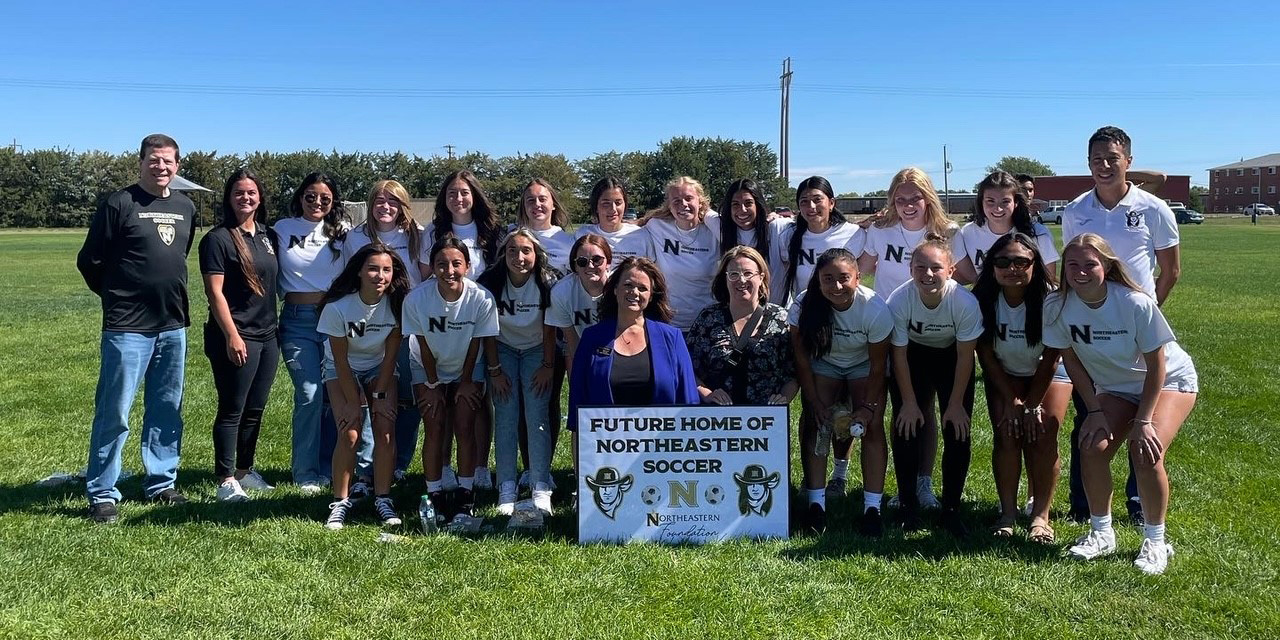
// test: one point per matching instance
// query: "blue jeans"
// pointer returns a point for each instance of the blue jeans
(520, 367)
(407, 418)
(128, 360)
(314, 432)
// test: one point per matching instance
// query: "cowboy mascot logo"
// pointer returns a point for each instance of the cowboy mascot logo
(1133, 219)
(755, 489)
(607, 489)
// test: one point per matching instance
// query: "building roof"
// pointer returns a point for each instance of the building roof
(1269, 160)
(179, 183)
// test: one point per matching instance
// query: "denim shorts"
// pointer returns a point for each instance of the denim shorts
(329, 372)
(827, 370)
(1182, 384)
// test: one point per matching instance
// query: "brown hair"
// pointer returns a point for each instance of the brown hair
(658, 309)
(720, 285)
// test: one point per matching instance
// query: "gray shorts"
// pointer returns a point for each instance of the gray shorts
(827, 370)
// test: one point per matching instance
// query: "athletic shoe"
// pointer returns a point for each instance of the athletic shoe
(1153, 557)
(337, 514)
(542, 500)
(386, 510)
(398, 476)
(951, 521)
(892, 502)
(816, 520)
(507, 498)
(169, 496)
(103, 512)
(836, 487)
(910, 519)
(253, 481)
(871, 526)
(231, 491)
(311, 488)
(483, 479)
(1094, 544)
(1076, 516)
(1136, 518)
(449, 478)
(464, 501)
(359, 491)
(927, 500)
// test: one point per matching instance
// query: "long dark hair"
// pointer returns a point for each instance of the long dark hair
(987, 290)
(348, 281)
(488, 229)
(797, 235)
(1021, 210)
(602, 185)
(559, 217)
(658, 308)
(495, 277)
(232, 225)
(815, 310)
(336, 221)
(729, 230)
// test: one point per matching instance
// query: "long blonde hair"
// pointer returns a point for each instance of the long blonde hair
(935, 217)
(1113, 267)
(663, 211)
(405, 220)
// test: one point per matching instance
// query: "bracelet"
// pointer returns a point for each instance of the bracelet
(548, 365)
(494, 374)
(493, 368)
(431, 385)
(1037, 410)
(378, 395)
(871, 406)
(1139, 421)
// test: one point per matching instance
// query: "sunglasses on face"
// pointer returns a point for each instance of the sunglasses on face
(311, 198)
(1004, 262)
(584, 261)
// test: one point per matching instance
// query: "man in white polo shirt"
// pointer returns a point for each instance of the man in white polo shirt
(1142, 230)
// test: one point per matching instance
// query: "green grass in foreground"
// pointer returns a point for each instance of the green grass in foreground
(267, 568)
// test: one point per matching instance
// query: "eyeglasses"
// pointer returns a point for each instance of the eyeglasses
(584, 261)
(1004, 262)
(735, 276)
(311, 198)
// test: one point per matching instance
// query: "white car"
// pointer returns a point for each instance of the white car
(1261, 209)
(1053, 214)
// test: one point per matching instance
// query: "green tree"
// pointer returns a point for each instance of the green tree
(1021, 164)
(1197, 198)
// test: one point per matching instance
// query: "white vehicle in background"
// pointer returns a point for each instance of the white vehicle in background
(1053, 214)
(1261, 209)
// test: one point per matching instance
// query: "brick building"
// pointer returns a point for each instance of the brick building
(1064, 189)
(1232, 186)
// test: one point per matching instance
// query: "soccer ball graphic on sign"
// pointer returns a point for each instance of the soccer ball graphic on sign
(714, 494)
(651, 495)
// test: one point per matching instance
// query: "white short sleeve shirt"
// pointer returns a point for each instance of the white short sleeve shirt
(449, 327)
(1138, 225)
(865, 322)
(365, 326)
(957, 318)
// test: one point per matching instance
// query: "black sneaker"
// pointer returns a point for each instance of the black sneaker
(169, 496)
(464, 503)
(950, 520)
(872, 525)
(1077, 516)
(1135, 513)
(816, 521)
(910, 519)
(440, 501)
(103, 512)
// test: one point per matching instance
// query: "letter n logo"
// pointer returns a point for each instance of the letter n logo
(686, 492)
(805, 257)
(1083, 334)
(1003, 331)
(977, 264)
(671, 246)
(506, 307)
(297, 241)
(915, 327)
(583, 317)
(435, 325)
(894, 253)
(355, 329)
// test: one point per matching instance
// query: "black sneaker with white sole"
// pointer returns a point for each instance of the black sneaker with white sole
(386, 510)
(103, 512)
(871, 525)
(169, 496)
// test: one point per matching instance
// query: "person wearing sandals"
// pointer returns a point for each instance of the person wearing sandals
(1027, 392)
(238, 265)
(360, 313)
(1137, 384)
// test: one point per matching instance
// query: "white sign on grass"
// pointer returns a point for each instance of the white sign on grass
(682, 474)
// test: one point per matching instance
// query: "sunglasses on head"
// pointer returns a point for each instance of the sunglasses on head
(584, 261)
(1004, 262)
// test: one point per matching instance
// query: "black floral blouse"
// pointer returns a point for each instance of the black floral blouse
(768, 363)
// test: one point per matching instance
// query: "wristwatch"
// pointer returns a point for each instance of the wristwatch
(379, 395)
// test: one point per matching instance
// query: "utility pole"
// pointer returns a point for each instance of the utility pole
(784, 136)
(946, 188)
(14, 146)
(449, 148)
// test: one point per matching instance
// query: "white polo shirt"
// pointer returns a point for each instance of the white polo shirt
(1138, 225)
(957, 317)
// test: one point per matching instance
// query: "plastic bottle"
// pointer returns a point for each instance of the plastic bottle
(427, 515)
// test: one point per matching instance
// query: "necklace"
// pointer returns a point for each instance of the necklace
(1093, 302)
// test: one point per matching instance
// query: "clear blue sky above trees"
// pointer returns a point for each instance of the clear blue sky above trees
(877, 86)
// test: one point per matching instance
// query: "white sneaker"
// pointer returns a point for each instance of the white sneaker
(927, 500)
(507, 498)
(311, 488)
(483, 479)
(1153, 557)
(542, 500)
(359, 491)
(449, 478)
(386, 510)
(337, 514)
(253, 481)
(231, 491)
(1094, 544)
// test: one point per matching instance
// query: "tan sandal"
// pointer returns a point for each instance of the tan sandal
(1041, 534)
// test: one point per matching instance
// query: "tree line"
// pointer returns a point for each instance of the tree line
(62, 188)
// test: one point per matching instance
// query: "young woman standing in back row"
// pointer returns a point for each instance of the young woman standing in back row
(1001, 209)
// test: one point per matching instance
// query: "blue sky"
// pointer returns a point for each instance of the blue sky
(877, 86)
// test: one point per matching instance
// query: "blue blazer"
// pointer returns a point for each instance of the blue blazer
(673, 380)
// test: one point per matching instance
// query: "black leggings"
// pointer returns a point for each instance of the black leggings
(242, 396)
(933, 373)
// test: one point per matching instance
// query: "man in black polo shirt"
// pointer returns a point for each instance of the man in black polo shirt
(135, 259)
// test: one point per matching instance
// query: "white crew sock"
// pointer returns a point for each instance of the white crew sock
(466, 482)
(870, 500)
(818, 497)
(1100, 523)
(434, 486)
(1153, 532)
(481, 472)
(840, 469)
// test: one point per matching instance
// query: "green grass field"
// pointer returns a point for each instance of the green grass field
(269, 569)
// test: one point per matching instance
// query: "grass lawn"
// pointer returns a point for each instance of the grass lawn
(269, 569)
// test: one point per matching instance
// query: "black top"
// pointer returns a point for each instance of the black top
(254, 315)
(135, 259)
(761, 371)
(631, 379)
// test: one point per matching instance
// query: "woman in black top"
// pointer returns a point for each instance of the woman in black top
(238, 263)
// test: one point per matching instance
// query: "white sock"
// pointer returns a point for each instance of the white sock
(840, 469)
(481, 472)
(1100, 523)
(818, 497)
(466, 482)
(434, 486)
(541, 486)
(446, 470)
(924, 484)
(870, 501)
(1153, 532)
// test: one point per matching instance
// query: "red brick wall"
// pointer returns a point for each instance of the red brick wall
(1223, 184)
(1049, 188)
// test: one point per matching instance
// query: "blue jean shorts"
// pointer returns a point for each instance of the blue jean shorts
(329, 371)
(827, 370)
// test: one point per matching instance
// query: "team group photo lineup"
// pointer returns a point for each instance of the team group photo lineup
(450, 336)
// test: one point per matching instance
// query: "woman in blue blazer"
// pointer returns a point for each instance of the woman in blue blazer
(632, 356)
